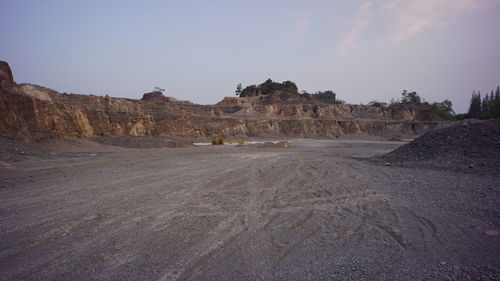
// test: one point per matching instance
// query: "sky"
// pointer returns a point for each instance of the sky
(200, 50)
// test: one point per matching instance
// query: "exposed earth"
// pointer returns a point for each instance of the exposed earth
(33, 113)
(102, 188)
(318, 210)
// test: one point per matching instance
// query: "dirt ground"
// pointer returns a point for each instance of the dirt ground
(314, 211)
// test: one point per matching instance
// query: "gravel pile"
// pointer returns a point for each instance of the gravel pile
(467, 146)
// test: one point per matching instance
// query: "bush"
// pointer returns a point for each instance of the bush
(444, 109)
(217, 140)
(268, 88)
(326, 96)
(377, 104)
(241, 142)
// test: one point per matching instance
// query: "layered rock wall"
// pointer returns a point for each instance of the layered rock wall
(33, 113)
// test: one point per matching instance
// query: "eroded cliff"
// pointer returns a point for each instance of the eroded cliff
(33, 113)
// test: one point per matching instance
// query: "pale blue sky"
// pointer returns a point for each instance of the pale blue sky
(200, 50)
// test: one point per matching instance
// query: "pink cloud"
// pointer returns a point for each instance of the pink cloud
(409, 17)
(403, 18)
(356, 25)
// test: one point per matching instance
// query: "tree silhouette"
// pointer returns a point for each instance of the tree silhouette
(238, 89)
(410, 97)
(475, 105)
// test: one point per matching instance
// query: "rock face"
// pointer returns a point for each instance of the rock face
(6, 78)
(5, 72)
(33, 113)
(158, 97)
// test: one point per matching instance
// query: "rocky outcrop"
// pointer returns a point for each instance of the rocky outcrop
(6, 78)
(32, 113)
(155, 96)
(5, 72)
(252, 108)
(158, 97)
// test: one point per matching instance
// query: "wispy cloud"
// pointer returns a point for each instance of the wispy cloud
(302, 27)
(409, 17)
(356, 24)
(402, 18)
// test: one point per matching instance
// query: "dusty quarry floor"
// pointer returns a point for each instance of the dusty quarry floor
(316, 211)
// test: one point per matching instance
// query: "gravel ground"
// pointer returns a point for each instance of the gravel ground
(314, 211)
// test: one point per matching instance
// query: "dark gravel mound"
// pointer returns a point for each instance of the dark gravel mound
(466, 146)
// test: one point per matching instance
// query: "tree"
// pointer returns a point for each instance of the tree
(485, 104)
(475, 105)
(377, 104)
(448, 106)
(326, 96)
(249, 91)
(289, 86)
(238, 89)
(444, 109)
(410, 97)
(495, 104)
(269, 87)
(495, 109)
(485, 108)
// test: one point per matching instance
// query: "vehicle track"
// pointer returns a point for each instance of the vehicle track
(233, 213)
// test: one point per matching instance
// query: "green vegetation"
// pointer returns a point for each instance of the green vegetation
(482, 108)
(269, 87)
(485, 108)
(241, 142)
(238, 89)
(410, 97)
(444, 109)
(217, 140)
(406, 98)
(377, 104)
(327, 97)
(266, 88)
(475, 105)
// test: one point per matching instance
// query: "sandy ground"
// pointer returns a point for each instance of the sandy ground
(315, 211)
